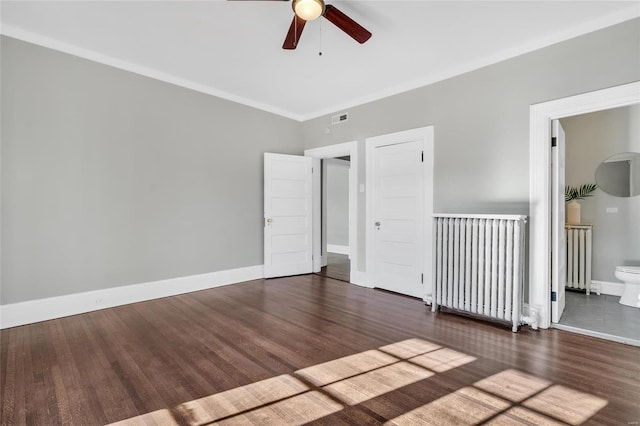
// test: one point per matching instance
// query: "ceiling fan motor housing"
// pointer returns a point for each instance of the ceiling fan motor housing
(308, 9)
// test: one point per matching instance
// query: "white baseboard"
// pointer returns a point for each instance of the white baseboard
(612, 289)
(22, 313)
(359, 278)
(334, 248)
(613, 338)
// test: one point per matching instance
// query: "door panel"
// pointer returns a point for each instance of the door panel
(399, 218)
(288, 215)
(558, 236)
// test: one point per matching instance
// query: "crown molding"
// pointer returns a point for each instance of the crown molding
(601, 22)
(71, 49)
(631, 12)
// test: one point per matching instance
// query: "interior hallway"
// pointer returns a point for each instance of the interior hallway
(338, 267)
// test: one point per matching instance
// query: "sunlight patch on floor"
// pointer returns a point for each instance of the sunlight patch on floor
(566, 404)
(378, 382)
(521, 416)
(345, 367)
(510, 397)
(513, 385)
(234, 401)
(296, 410)
(491, 401)
(409, 348)
(442, 360)
(464, 407)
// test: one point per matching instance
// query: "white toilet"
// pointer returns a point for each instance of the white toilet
(631, 277)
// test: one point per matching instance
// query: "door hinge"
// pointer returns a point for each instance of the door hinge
(422, 157)
(554, 296)
(554, 142)
(422, 278)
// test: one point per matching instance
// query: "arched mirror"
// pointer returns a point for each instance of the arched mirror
(619, 175)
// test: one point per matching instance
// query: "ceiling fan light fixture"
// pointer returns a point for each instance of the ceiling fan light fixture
(308, 9)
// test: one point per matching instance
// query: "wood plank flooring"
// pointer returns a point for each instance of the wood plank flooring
(338, 267)
(307, 349)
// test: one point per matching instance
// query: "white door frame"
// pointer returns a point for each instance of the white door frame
(426, 134)
(541, 116)
(333, 151)
(558, 214)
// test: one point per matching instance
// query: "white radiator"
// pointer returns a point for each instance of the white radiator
(479, 265)
(579, 257)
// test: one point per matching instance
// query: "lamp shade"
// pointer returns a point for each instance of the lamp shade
(308, 9)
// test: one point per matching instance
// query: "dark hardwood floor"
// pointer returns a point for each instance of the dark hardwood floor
(307, 349)
(338, 267)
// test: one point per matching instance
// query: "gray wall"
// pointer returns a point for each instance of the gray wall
(635, 173)
(591, 139)
(337, 202)
(110, 178)
(481, 119)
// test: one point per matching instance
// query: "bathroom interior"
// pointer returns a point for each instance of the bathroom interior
(603, 148)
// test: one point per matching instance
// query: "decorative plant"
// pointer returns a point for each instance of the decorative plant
(579, 192)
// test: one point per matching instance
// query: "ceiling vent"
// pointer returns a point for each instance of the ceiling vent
(340, 118)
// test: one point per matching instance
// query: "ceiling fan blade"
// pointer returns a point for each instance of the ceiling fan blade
(295, 30)
(346, 24)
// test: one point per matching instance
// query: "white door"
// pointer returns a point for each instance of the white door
(399, 218)
(287, 215)
(558, 238)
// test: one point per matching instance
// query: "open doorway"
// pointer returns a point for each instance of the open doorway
(541, 291)
(335, 201)
(603, 230)
(335, 218)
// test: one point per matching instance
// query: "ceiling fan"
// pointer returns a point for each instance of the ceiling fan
(308, 10)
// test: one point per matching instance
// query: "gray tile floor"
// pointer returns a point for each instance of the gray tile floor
(601, 313)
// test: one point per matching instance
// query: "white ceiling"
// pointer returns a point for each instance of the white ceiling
(233, 49)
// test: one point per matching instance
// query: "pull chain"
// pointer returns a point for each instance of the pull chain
(320, 50)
